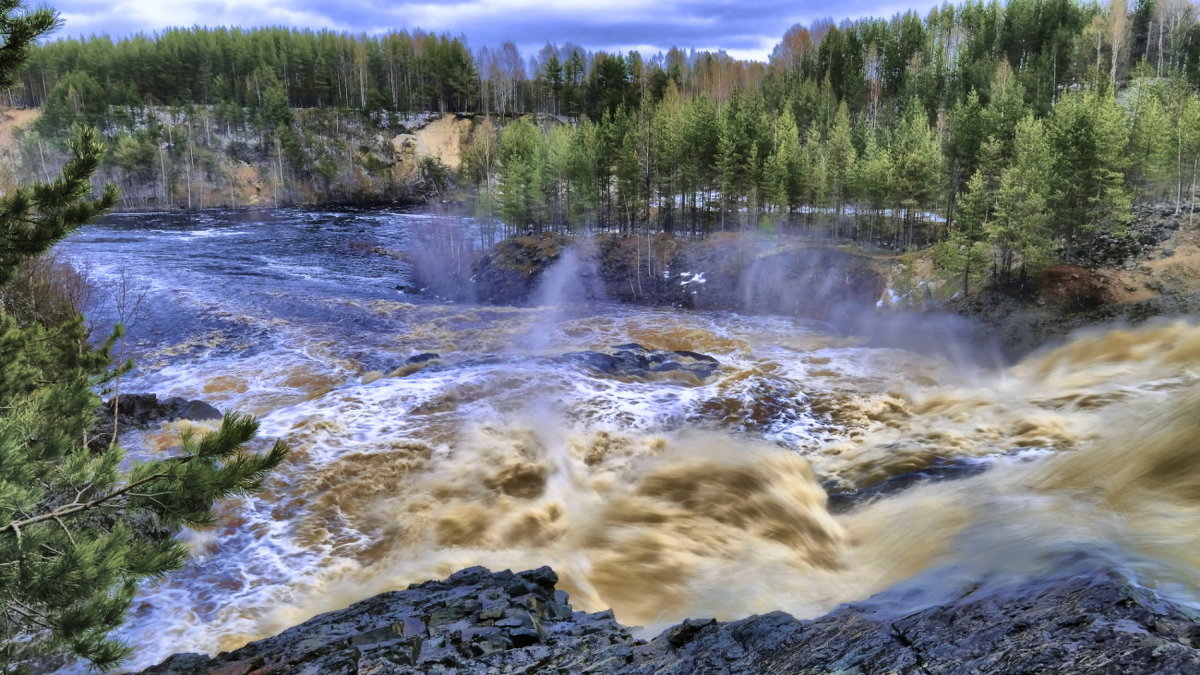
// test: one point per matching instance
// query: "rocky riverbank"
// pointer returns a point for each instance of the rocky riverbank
(1090, 620)
(767, 275)
(1151, 271)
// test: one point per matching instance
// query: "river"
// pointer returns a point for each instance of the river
(661, 497)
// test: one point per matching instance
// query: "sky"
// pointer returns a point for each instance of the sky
(743, 29)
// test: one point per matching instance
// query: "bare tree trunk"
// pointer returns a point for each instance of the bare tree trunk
(42, 156)
(162, 164)
(279, 169)
(1192, 201)
(190, 168)
(1178, 170)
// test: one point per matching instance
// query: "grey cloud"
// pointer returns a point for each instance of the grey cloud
(726, 24)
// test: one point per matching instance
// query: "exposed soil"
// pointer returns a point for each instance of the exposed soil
(1153, 271)
(10, 119)
(1170, 267)
(441, 139)
(10, 152)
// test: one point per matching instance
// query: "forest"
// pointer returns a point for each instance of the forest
(1008, 134)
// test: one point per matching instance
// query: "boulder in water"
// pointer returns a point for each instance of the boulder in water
(144, 410)
(634, 360)
(141, 411)
(178, 407)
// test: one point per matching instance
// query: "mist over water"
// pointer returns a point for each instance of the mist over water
(660, 498)
(570, 286)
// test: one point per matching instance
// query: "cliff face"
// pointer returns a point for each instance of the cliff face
(479, 622)
(201, 157)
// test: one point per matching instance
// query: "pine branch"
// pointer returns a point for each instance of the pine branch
(71, 509)
(66, 530)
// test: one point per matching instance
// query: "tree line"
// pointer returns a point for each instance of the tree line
(901, 132)
(405, 71)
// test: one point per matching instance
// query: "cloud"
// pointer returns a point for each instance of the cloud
(747, 30)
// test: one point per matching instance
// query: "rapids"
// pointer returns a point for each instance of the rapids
(662, 499)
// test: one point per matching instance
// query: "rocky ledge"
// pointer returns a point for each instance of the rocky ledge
(482, 622)
(728, 271)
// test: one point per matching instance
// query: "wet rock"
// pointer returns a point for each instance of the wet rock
(422, 358)
(509, 273)
(842, 498)
(1019, 328)
(180, 408)
(678, 636)
(436, 626)
(605, 363)
(634, 360)
(142, 411)
(1087, 619)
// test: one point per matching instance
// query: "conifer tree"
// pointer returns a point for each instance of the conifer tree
(1089, 136)
(80, 526)
(918, 162)
(783, 170)
(1154, 153)
(1021, 227)
(667, 134)
(521, 174)
(964, 251)
(841, 158)
(813, 171)
(875, 176)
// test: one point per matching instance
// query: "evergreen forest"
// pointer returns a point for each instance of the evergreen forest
(1008, 134)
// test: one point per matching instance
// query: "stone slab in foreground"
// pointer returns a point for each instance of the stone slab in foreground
(480, 622)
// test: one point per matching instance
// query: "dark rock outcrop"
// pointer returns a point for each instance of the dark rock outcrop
(509, 273)
(1020, 328)
(141, 411)
(480, 622)
(814, 282)
(1152, 224)
(474, 621)
(1078, 624)
(625, 360)
(634, 360)
(728, 272)
(846, 496)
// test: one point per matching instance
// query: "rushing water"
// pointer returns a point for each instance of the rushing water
(661, 498)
